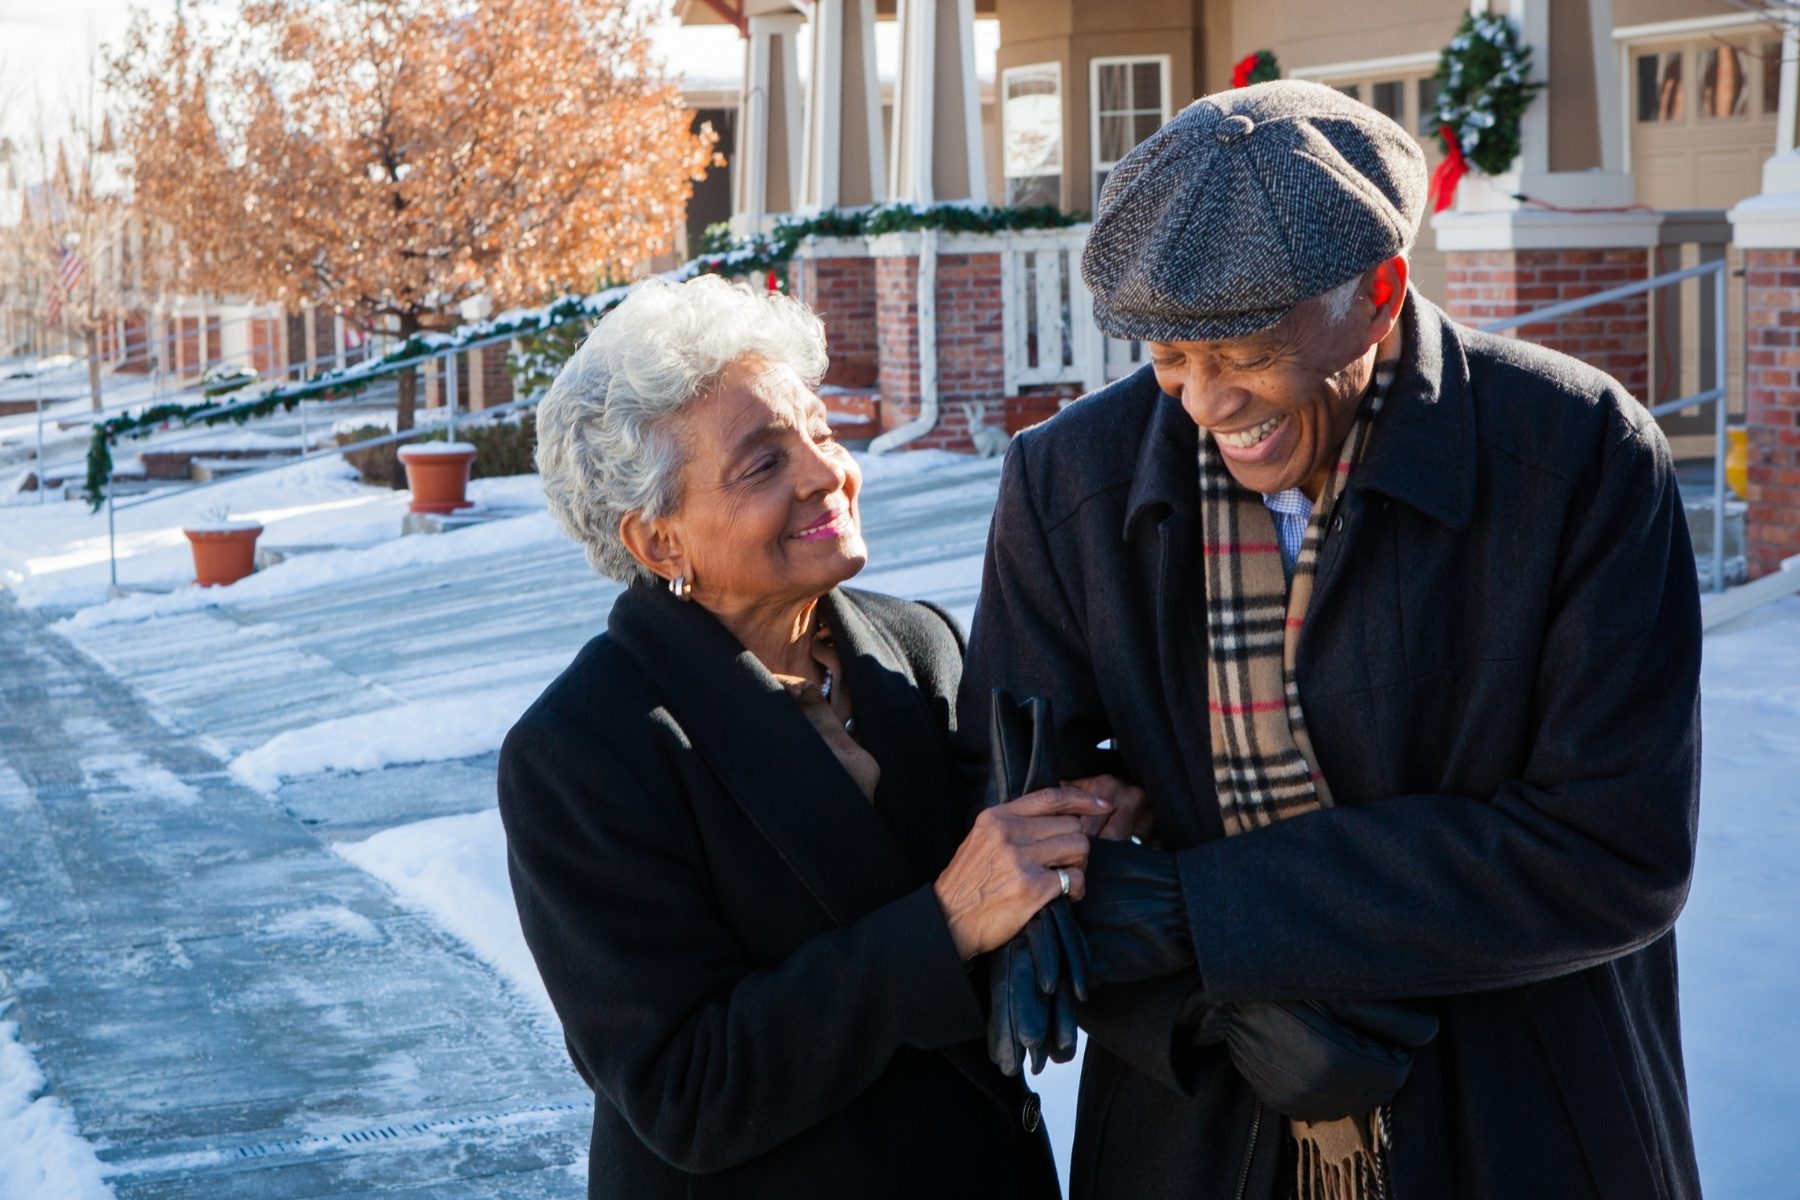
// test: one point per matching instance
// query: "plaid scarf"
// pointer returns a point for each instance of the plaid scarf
(1264, 767)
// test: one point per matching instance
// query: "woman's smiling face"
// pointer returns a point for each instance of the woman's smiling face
(768, 509)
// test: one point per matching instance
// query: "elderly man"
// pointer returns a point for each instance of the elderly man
(1396, 624)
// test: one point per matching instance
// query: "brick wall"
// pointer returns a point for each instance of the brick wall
(842, 292)
(1772, 407)
(1486, 285)
(970, 367)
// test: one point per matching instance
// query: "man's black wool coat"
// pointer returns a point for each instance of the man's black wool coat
(751, 967)
(1500, 676)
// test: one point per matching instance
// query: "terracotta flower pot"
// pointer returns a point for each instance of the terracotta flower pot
(224, 552)
(437, 473)
(1737, 461)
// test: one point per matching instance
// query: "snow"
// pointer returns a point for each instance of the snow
(454, 868)
(55, 554)
(1739, 949)
(42, 1154)
(206, 527)
(433, 449)
(423, 731)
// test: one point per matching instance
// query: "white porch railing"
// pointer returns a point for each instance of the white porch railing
(1048, 316)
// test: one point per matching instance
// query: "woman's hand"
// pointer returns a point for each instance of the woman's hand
(1006, 869)
(1131, 816)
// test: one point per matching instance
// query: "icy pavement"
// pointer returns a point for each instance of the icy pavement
(227, 1007)
(279, 841)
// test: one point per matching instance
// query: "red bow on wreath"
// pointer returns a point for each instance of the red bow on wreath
(1448, 173)
(1240, 74)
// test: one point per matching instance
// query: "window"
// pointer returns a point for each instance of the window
(1031, 134)
(1724, 82)
(1388, 97)
(1659, 87)
(1130, 98)
(1405, 96)
(1768, 55)
(1705, 81)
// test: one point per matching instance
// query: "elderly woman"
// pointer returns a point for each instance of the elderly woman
(736, 835)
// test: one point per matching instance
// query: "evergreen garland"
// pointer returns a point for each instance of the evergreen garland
(548, 335)
(1484, 88)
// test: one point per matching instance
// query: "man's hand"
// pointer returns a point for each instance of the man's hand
(1319, 1060)
(1131, 816)
(1134, 916)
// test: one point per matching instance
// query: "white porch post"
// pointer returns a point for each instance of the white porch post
(845, 164)
(766, 176)
(937, 109)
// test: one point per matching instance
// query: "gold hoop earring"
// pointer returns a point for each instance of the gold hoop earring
(678, 587)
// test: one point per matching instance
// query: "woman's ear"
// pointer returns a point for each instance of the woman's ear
(653, 544)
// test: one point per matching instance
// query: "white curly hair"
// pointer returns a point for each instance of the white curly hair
(607, 446)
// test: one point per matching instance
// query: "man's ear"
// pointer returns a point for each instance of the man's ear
(653, 544)
(1387, 293)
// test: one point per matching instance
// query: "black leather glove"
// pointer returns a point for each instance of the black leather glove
(1034, 980)
(1318, 1060)
(1133, 914)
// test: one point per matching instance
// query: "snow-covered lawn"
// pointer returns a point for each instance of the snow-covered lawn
(55, 554)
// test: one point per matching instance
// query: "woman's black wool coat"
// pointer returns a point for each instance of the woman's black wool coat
(751, 967)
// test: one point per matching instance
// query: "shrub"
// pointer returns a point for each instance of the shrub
(378, 465)
(504, 448)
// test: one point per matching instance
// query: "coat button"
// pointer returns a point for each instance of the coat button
(1337, 523)
(1031, 1116)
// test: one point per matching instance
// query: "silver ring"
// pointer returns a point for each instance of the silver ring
(1062, 877)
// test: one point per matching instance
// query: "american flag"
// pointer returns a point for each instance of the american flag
(70, 267)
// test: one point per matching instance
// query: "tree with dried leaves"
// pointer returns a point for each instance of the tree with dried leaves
(394, 158)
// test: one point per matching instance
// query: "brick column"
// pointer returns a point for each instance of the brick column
(1772, 407)
(137, 342)
(1501, 264)
(970, 367)
(835, 277)
(1767, 228)
(489, 383)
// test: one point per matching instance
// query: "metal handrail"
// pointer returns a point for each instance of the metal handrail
(479, 415)
(1623, 291)
(1715, 396)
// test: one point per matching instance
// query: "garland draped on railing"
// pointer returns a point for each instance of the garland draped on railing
(752, 256)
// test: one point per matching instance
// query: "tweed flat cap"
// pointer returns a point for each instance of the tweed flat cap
(1245, 204)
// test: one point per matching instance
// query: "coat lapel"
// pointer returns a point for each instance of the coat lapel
(918, 798)
(763, 751)
(1164, 509)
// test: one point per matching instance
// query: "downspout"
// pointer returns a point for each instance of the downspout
(927, 419)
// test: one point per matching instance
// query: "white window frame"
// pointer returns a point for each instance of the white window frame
(1062, 132)
(1165, 61)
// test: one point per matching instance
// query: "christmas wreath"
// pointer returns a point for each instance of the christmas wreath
(1259, 67)
(1483, 91)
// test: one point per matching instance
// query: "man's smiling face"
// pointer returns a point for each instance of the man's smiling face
(1280, 403)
